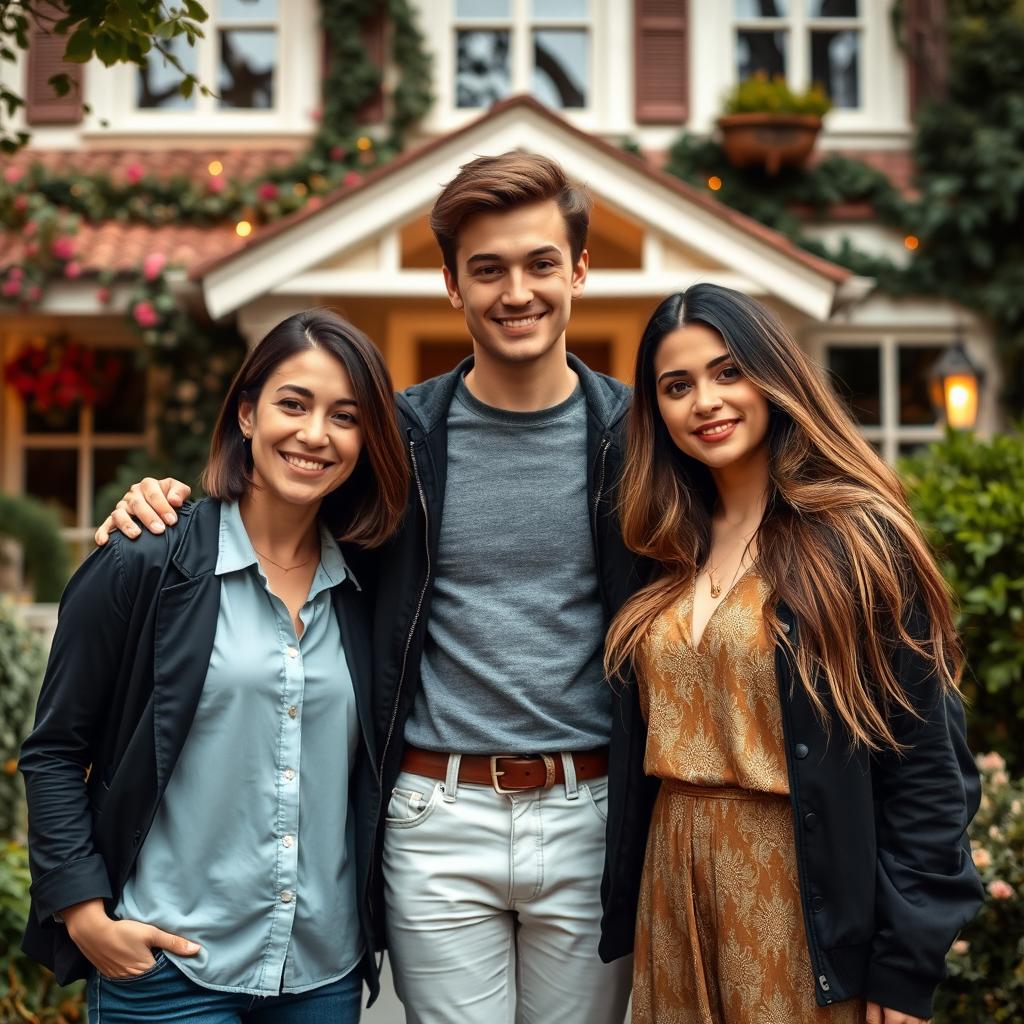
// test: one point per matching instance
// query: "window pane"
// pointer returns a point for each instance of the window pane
(247, 59)
(856, 372)
(105, 464)
(53, 421)
(761, 8)
(157, 83)
(760, 51)
(549, 10)
(560, 67)
(482, 68)
(915, 362)
(483, 8)
(52, 476)
(834, 63)
(123, 409)
(911, 448)
(832, 8)
(247, 10)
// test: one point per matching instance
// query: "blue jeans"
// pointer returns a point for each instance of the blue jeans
(163, 995)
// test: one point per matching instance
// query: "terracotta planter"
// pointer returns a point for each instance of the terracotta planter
(770, 141)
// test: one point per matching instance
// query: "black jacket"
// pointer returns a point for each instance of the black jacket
(127, 665)
(405, 581)
(886, 875)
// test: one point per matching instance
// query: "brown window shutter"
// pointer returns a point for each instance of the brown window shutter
(662, 64)
(375, 38)
(925, 39)
(46, 59)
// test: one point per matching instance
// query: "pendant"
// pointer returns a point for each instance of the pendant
(716, 589)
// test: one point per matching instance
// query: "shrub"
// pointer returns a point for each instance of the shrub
(29, 992)
(760, 94)
(21, 666)
(36, 527)
(986, 963)
(968, 496)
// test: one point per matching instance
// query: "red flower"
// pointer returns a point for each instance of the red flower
(21, 203)
(133, 173)
(267, 191)
(11, 288)
(16, 272)
(103, 295)
(153, 265)
(352, 179)
(145, 315)
(35, 293)
(338, 152)
(72, 270)
(13, 175)
(216, 183)
(63, 248)
(30, 229)
(31, 248)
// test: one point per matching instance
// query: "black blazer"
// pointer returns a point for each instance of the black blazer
(126, 669)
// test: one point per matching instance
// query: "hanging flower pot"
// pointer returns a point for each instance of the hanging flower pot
(771, 141)
(766, 124)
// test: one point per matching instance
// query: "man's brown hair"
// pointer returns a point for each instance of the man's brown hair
(494, 183)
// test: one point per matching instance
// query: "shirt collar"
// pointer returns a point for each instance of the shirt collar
(235, 551)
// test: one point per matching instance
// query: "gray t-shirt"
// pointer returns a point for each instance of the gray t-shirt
(512, 660)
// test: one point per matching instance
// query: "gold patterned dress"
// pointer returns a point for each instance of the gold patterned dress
(720, 936)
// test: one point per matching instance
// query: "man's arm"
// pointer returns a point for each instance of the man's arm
(150, 501)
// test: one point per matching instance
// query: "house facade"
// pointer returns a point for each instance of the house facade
(568, 78)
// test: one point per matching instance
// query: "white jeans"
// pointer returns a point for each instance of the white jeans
(493, 903)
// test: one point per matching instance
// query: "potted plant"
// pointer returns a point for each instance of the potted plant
(767, 124)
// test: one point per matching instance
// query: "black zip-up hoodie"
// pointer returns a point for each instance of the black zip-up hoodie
(404, 584)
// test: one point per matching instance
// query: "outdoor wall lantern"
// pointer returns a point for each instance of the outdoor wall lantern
(955, 386)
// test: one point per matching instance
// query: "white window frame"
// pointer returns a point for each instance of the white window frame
(297, 78)
(889, 434)
(84, 441)
(441, 27)
(881, 119)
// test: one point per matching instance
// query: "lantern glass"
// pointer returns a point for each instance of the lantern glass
(960, 392)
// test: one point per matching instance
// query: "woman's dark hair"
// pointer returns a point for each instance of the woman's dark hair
(368, 507)
(837, 544)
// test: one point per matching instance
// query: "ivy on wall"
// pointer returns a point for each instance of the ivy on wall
(196, 359)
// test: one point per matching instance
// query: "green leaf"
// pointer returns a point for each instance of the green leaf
(80, 46)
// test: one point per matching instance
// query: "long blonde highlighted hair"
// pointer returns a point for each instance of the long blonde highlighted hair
(837, 543)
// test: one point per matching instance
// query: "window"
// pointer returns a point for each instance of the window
(537, 46)
(804, 41)
(239, 54)
(884, 382)
(68, 455)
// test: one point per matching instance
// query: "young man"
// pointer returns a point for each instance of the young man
(508, 771)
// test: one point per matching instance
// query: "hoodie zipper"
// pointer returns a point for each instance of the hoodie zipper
(405, 658)
(603, 456)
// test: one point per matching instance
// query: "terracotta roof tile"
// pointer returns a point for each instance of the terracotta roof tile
(123, 164)
(111, 245)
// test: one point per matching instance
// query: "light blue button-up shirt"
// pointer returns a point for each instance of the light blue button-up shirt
(251, 852)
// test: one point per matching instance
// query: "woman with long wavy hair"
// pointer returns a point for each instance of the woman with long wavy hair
(798, 668)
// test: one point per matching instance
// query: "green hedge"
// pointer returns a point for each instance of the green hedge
(968, 495)
(37, 528)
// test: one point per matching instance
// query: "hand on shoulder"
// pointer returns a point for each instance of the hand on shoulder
(152, 502)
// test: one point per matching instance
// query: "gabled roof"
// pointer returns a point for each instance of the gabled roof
(401, 190)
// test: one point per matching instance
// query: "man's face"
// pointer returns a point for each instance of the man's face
(516, 281)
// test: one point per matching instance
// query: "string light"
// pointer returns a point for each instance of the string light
(243, 229)
(215, 167)
(299, 189)
(714, 183)
(911, 242)
(364, 142)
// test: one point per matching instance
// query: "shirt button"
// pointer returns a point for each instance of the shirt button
(810, 821)
(293, 652)
(288, 841)
(817, 904)
(293, 711)
(286, 896)
(801, 751)
(289, 774)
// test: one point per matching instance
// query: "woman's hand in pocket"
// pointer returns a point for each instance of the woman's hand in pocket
(119, 949)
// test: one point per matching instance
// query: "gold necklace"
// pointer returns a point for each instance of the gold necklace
(716, 588)
(284, 568)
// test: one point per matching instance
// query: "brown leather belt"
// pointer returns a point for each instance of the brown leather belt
(508, 773)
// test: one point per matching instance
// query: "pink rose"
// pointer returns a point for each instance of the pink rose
(961, 946)
(72, 269)
(35, 293)
(267, 191)
(31, 248)
(133, 173)
(1000, 890)
(63, 248)
(16, 272)
(352, 179)
(982, 858)
(145, 315)
(11, 288)
(216, 183)
(991, 762)
(103, 295)
(12, 175)
(30, 229)
(153, 265)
